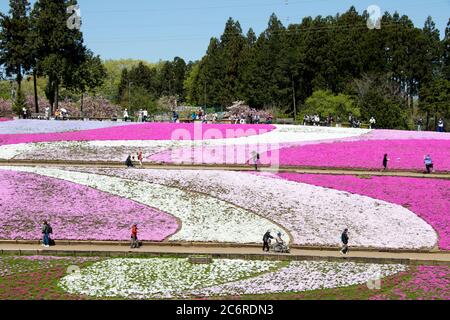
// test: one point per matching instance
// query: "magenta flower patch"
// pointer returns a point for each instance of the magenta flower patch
(403, 154)
(75, 212)
(146, 131)
(428, 198)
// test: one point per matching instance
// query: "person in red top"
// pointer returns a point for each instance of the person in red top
(140, 157)
(134, 238)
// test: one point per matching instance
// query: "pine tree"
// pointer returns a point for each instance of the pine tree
(15, 54)
(60, 49)
(446, 53)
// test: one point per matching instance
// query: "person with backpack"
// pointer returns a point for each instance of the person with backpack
(134, 237)
(266, 241)
(344, 239)
(46, 231)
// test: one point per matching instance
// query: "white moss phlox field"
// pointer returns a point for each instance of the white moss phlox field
(177, 278)
(157, 278)
(312, 215)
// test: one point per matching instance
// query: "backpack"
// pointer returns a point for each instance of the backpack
(257, 156)
(49, 229)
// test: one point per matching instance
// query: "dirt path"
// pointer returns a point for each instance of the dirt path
(308, 170)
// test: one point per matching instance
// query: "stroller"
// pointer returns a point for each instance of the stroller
(279, 246)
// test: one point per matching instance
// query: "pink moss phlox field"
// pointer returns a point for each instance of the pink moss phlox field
(427, 283)
(428, 198)
(75, 212)
(146, 131)
(5, 119)
(403, 154)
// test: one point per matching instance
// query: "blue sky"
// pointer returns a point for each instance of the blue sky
(162, 29)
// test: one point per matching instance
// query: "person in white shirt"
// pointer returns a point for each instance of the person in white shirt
(372, 122)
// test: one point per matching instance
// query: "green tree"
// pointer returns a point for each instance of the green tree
(325, 103)
(446, 52)
(19, 103)
(435, 100)
(15, 54)
(60, 49)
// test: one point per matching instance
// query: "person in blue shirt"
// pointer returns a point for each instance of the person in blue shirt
(429, 164)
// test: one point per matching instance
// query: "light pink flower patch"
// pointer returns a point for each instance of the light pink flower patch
(427, 282)
(403, 154)
(428, 198)
(146, 131)
(75, 212)
(5, 119)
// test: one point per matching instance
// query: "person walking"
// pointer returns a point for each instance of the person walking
(46, 231)
(134, 237)
(372, 123)
(344, 239)
(441, 125)
(129, 162)
(429, 164)
(419, 124)
(255, 159)
(385, 162)
(125, 115)
(140, 157)
(266, 241)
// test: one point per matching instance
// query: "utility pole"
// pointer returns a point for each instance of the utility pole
(129, 94)
(295, 101)
(205, 94)
(81, 106)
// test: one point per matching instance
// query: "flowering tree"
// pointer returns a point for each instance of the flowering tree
(99, 107)
(6, 108)
(240, 109)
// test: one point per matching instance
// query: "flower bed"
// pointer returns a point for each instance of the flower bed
(21, 127)
(175, 278)
(171, 142)
(157, 278)
(203, 218)
(427, 198)
(312, 215)
(36, 277)
(300, 276)
(75, 212)
(404, 154)
(5, 119)
(145, 131)
(426, 283)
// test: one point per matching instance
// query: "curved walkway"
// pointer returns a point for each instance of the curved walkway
(309, 170)
(231, 252)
